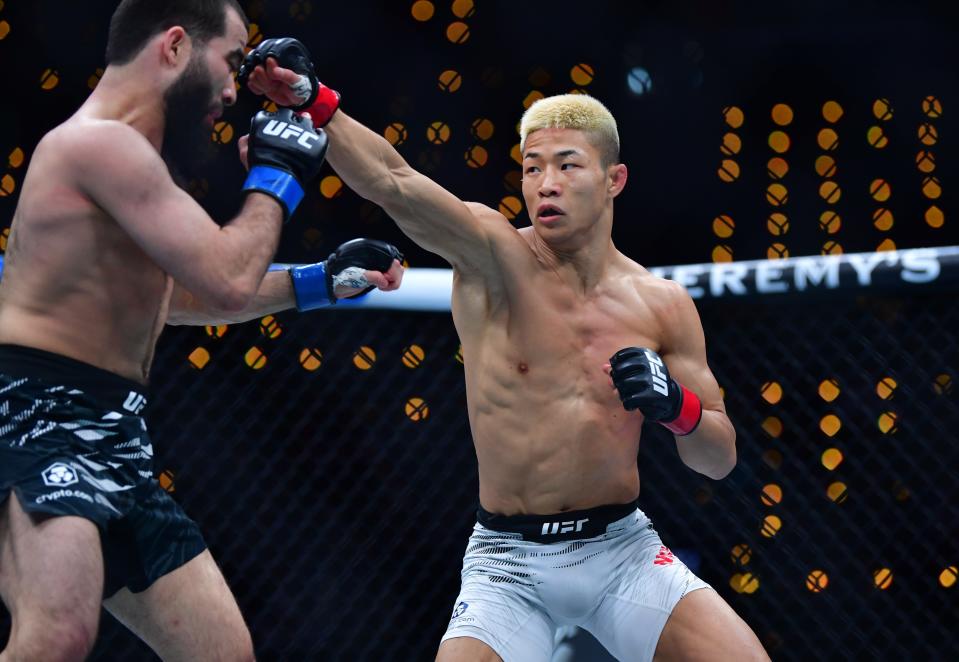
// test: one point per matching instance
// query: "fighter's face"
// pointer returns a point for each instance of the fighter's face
(196, 99)
(565, 184)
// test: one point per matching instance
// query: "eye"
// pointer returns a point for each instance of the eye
(532, 170)
(569, 165)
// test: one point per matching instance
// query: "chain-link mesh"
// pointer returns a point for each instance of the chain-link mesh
(336, 482)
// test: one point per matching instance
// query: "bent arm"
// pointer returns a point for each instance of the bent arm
(122, 173)
(274, 295)
(711, 448)
(427, 213)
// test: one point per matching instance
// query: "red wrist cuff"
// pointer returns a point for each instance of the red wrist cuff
(326, 103)
(690, 413)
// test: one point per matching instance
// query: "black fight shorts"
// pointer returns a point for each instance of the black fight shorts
(72, 442)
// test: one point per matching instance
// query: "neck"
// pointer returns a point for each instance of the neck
(130, 95)
(582, 260)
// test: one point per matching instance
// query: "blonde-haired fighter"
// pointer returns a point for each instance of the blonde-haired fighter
(540, 311)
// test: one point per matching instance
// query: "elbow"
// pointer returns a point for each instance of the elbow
(232, 298)
(720, 471)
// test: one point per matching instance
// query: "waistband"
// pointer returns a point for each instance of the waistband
(571, 525)
(104, 387)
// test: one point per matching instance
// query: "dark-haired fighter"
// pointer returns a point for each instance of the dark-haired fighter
(540, 311)
(105, 250)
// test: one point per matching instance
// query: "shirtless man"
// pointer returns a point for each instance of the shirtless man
(540, 311)
(105, 250)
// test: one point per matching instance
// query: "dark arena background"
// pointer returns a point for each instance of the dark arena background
(327, 456)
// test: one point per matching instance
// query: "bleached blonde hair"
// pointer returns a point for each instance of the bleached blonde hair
(574, 111)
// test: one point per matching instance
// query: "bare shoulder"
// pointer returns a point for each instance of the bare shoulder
(665, 297)
(99, 140)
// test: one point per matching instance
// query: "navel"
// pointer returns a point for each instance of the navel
(523, 368)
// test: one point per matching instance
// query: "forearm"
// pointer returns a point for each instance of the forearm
(249, 242)
(711, 448)
(274, 294)
(364, 160)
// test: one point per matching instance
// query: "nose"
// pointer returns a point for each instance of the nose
(229, 93)
(549, 184)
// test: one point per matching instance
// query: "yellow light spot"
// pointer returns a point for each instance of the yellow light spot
(331, 186)
(532, 98)
(827, 139)
(876, 137)
(830, 424)
(463, 8)
(925, 161)
(779, 142)
(777, 224)
(837, 492)
(829, 389)
(482, 129)
(270, 327)
(396, 134)
(7, 186)
(198, 358)
(777, 195)
(49, 79)
(831, 248)
(16, 158)
(510, 206)
(888, 422)
(825, 166)
(782, 114)
(777, 167)
(582, 74)
(831, 458)
(734, 116)
(771, 495)
(744, 582)
(476, 156)
(165, 479)
(449, 81)
(723, 226)
(886, 387)
(928, 134)
(422, 10)
(417, 409)
(438, 132)
(311, 358)
(731, 145)
(883, 578)
(771, 526)
(931, 188)
(831, 111)
(942, 384)
(880, 190)
(222, 133)
(413, 356)
(882, 219)
(255, 358)
(4, 30)
(364, 358)
(830, 222)
(458, 32)
(830, 191)
(947, 578)
(931, 107)
(459, 354)
(516, 154)
(882, 110)
(741, 554)
(886, 245)
(817, 581)
(722, 253)
(728, 170)
(772, 426)
(777, 251)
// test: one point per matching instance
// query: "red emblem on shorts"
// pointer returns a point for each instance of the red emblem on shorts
(663, 556)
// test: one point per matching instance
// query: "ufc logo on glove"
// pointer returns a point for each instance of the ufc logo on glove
(287, 131)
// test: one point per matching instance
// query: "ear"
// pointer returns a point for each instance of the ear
(175, 46)
(616, 176)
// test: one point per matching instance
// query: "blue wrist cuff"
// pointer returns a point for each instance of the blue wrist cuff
(309, 286)
(277, 183)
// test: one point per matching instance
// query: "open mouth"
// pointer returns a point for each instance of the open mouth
(548, 213)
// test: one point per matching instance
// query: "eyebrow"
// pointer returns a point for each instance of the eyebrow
(562, 154)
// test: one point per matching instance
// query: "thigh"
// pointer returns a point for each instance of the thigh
(188, 614)
(703, 627)
(464, 649)
(51, 573)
